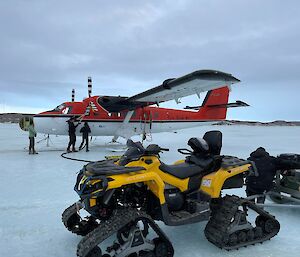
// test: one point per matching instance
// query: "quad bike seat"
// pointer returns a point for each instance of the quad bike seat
(204, 159)
(107, 167)
(182, 170)
(214, 141)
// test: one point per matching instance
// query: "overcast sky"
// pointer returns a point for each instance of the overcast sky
(49, 47)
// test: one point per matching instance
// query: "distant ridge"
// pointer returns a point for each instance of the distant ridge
(259, 123)
(12, 117)
(15, 117)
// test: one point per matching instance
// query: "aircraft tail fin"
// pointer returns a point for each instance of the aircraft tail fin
(214, 106)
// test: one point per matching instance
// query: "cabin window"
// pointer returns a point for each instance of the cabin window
(109, 114)
(119, 114)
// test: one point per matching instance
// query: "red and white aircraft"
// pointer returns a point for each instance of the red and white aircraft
(140, 114)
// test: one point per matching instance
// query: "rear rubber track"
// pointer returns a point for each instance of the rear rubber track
(218, 229)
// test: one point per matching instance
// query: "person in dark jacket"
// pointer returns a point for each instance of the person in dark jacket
(72, 134)
(266, 166)
(85, 130)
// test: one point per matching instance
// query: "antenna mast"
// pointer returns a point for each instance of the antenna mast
(73, 95)
(89, 86)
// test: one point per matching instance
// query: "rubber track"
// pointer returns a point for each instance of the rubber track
(71, 210)
(217, 227)
(118, 220)
(68, 213)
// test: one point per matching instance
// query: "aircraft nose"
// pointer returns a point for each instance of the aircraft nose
(24, 122)
(50, 125)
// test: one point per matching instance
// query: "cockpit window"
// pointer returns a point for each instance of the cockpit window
(59, 108)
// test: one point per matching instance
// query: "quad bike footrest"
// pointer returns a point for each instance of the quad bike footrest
(200, 211)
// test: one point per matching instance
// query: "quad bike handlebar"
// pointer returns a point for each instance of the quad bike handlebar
(184, 151)
(164, 149)
(154, 149)
(136, 150)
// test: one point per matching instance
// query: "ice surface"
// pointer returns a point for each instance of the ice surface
(35, 189)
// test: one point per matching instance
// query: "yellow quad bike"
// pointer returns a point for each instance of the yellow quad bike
(125, 197)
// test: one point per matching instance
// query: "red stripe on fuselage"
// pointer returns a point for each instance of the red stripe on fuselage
(149, 113)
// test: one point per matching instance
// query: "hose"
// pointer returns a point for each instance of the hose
(63, 155)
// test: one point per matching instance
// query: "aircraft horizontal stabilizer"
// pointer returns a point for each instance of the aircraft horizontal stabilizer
(229, 105)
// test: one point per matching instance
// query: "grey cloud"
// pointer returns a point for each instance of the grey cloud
(49, 47)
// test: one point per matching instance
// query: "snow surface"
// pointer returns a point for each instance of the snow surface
(35, 189)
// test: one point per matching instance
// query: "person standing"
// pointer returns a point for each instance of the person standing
(72, 135)
(32, 135)
(85, 130)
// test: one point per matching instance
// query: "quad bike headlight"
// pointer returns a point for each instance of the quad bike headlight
(87, 186)
(90, 187)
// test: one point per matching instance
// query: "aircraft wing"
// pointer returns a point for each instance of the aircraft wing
(193, 83)
(174, 89)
